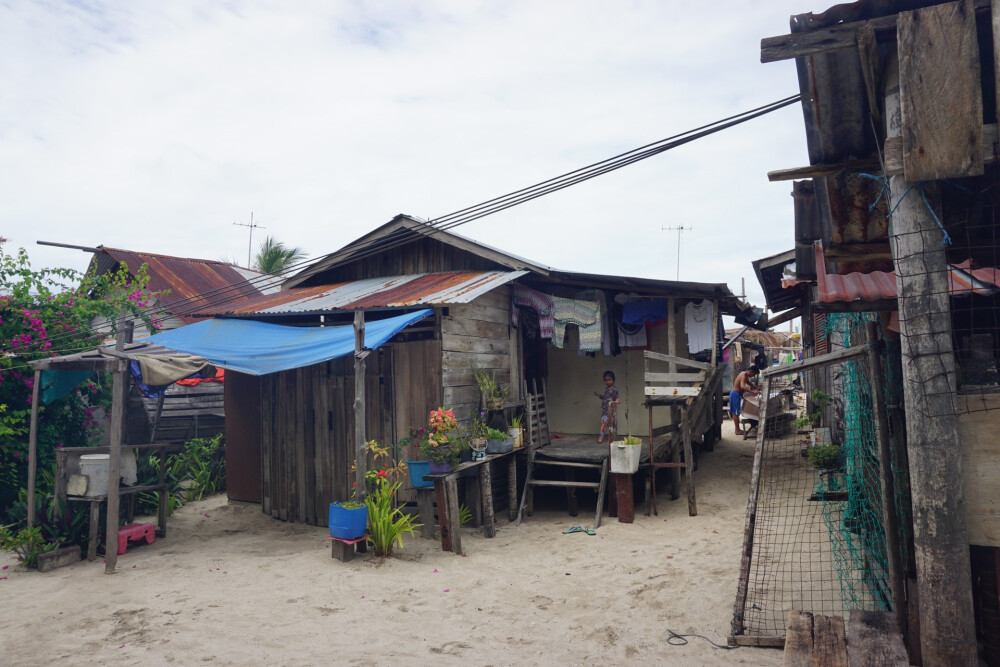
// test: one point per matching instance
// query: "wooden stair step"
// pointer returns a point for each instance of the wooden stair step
(557, 482)
(566, 464)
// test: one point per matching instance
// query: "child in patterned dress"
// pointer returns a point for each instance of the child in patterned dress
(609, 404)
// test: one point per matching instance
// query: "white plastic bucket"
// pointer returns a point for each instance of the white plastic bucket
(95, 467)
(625, 458)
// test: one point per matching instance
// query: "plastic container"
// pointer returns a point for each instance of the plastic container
(625, 458)
(347, 524)
(500, 446)
(417, 471)
(96, 468)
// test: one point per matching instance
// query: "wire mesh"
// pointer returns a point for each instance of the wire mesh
(818, 541)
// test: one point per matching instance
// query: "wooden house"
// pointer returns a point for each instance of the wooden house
(290, 435)
(896, 215)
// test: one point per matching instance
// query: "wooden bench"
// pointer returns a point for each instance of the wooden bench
(815, 639)
(446, 495)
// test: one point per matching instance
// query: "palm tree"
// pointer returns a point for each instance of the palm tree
(275, 258)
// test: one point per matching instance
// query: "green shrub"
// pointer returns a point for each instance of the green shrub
(824, 456)
(27, 543)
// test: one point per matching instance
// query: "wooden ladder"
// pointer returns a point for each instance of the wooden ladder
(570, 466)
(539, 435)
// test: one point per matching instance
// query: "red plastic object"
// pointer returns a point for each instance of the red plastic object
(135, 532)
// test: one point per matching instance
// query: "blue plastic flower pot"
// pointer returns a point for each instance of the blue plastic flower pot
(347, 524)
(417, 471)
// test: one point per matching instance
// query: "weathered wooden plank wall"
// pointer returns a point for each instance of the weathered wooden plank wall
(475, 335)
(940, 93)
(307, 427)
(424, 256)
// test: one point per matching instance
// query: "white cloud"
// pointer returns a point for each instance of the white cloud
(154, 126)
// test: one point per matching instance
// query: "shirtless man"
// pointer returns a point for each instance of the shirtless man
(743, 384)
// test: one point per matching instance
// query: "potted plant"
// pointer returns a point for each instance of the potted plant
(417, 468)
(826, 457)
(625, 455)
(493, 393)
(499, 442)
(515, 430)
(442, 445)
(820, 435)
(478, 436)
(348, 519)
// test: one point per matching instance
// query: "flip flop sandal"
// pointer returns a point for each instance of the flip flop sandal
(574, 529)
(590, 531)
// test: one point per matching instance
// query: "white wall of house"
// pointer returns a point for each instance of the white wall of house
(573, 379)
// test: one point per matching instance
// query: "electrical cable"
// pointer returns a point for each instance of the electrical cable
(468, 214)
(681, 640)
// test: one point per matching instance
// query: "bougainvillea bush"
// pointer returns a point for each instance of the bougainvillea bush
(46, 313)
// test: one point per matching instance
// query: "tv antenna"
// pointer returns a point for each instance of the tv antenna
(678, 229)
(252, 226)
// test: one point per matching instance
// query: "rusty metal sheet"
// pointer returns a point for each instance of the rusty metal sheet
(193, 284)
(392, 292)
(880, 285)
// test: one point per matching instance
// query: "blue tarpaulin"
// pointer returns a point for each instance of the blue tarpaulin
(260, 348)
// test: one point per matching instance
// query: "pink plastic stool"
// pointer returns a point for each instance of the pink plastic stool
(135, 532)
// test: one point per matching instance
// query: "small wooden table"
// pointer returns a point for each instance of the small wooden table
(446, 492)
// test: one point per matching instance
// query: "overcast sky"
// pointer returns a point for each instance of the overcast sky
(155, 126)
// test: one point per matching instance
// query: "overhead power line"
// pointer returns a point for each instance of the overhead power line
(218, 297)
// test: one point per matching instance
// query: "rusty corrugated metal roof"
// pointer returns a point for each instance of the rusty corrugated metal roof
(423, 289)
(879, 285)
(193, 284)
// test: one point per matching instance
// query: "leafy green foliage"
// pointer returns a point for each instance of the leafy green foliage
(464, 514)
(275, 257)
(387, 523)
(27, 543)
(196, 471)
(45, 313)
(820, 400)
(824, 456)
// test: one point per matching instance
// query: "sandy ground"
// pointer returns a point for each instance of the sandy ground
(229, 586)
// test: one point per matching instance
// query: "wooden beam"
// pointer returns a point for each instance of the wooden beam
(886, 479)
(812, 362)
(786, 316)
(871, 71)
(825, 40)
(940, 92)
(857, 252)
(675, 377)
(119, 406)
(892, 160)
(868, 164)
(749, 526)
(673, 391)
(659, 356)
(359, 406)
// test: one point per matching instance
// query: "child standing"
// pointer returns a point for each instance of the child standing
(609, 404)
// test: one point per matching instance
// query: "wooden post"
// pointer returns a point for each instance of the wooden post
(887, 483)
(688, 459)
(454, 521)
(359, 405)
(675, 473)
(486, 492)
(940, 537)
(742, 586)
(512, 486)
(33, 447)
(119, 405)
